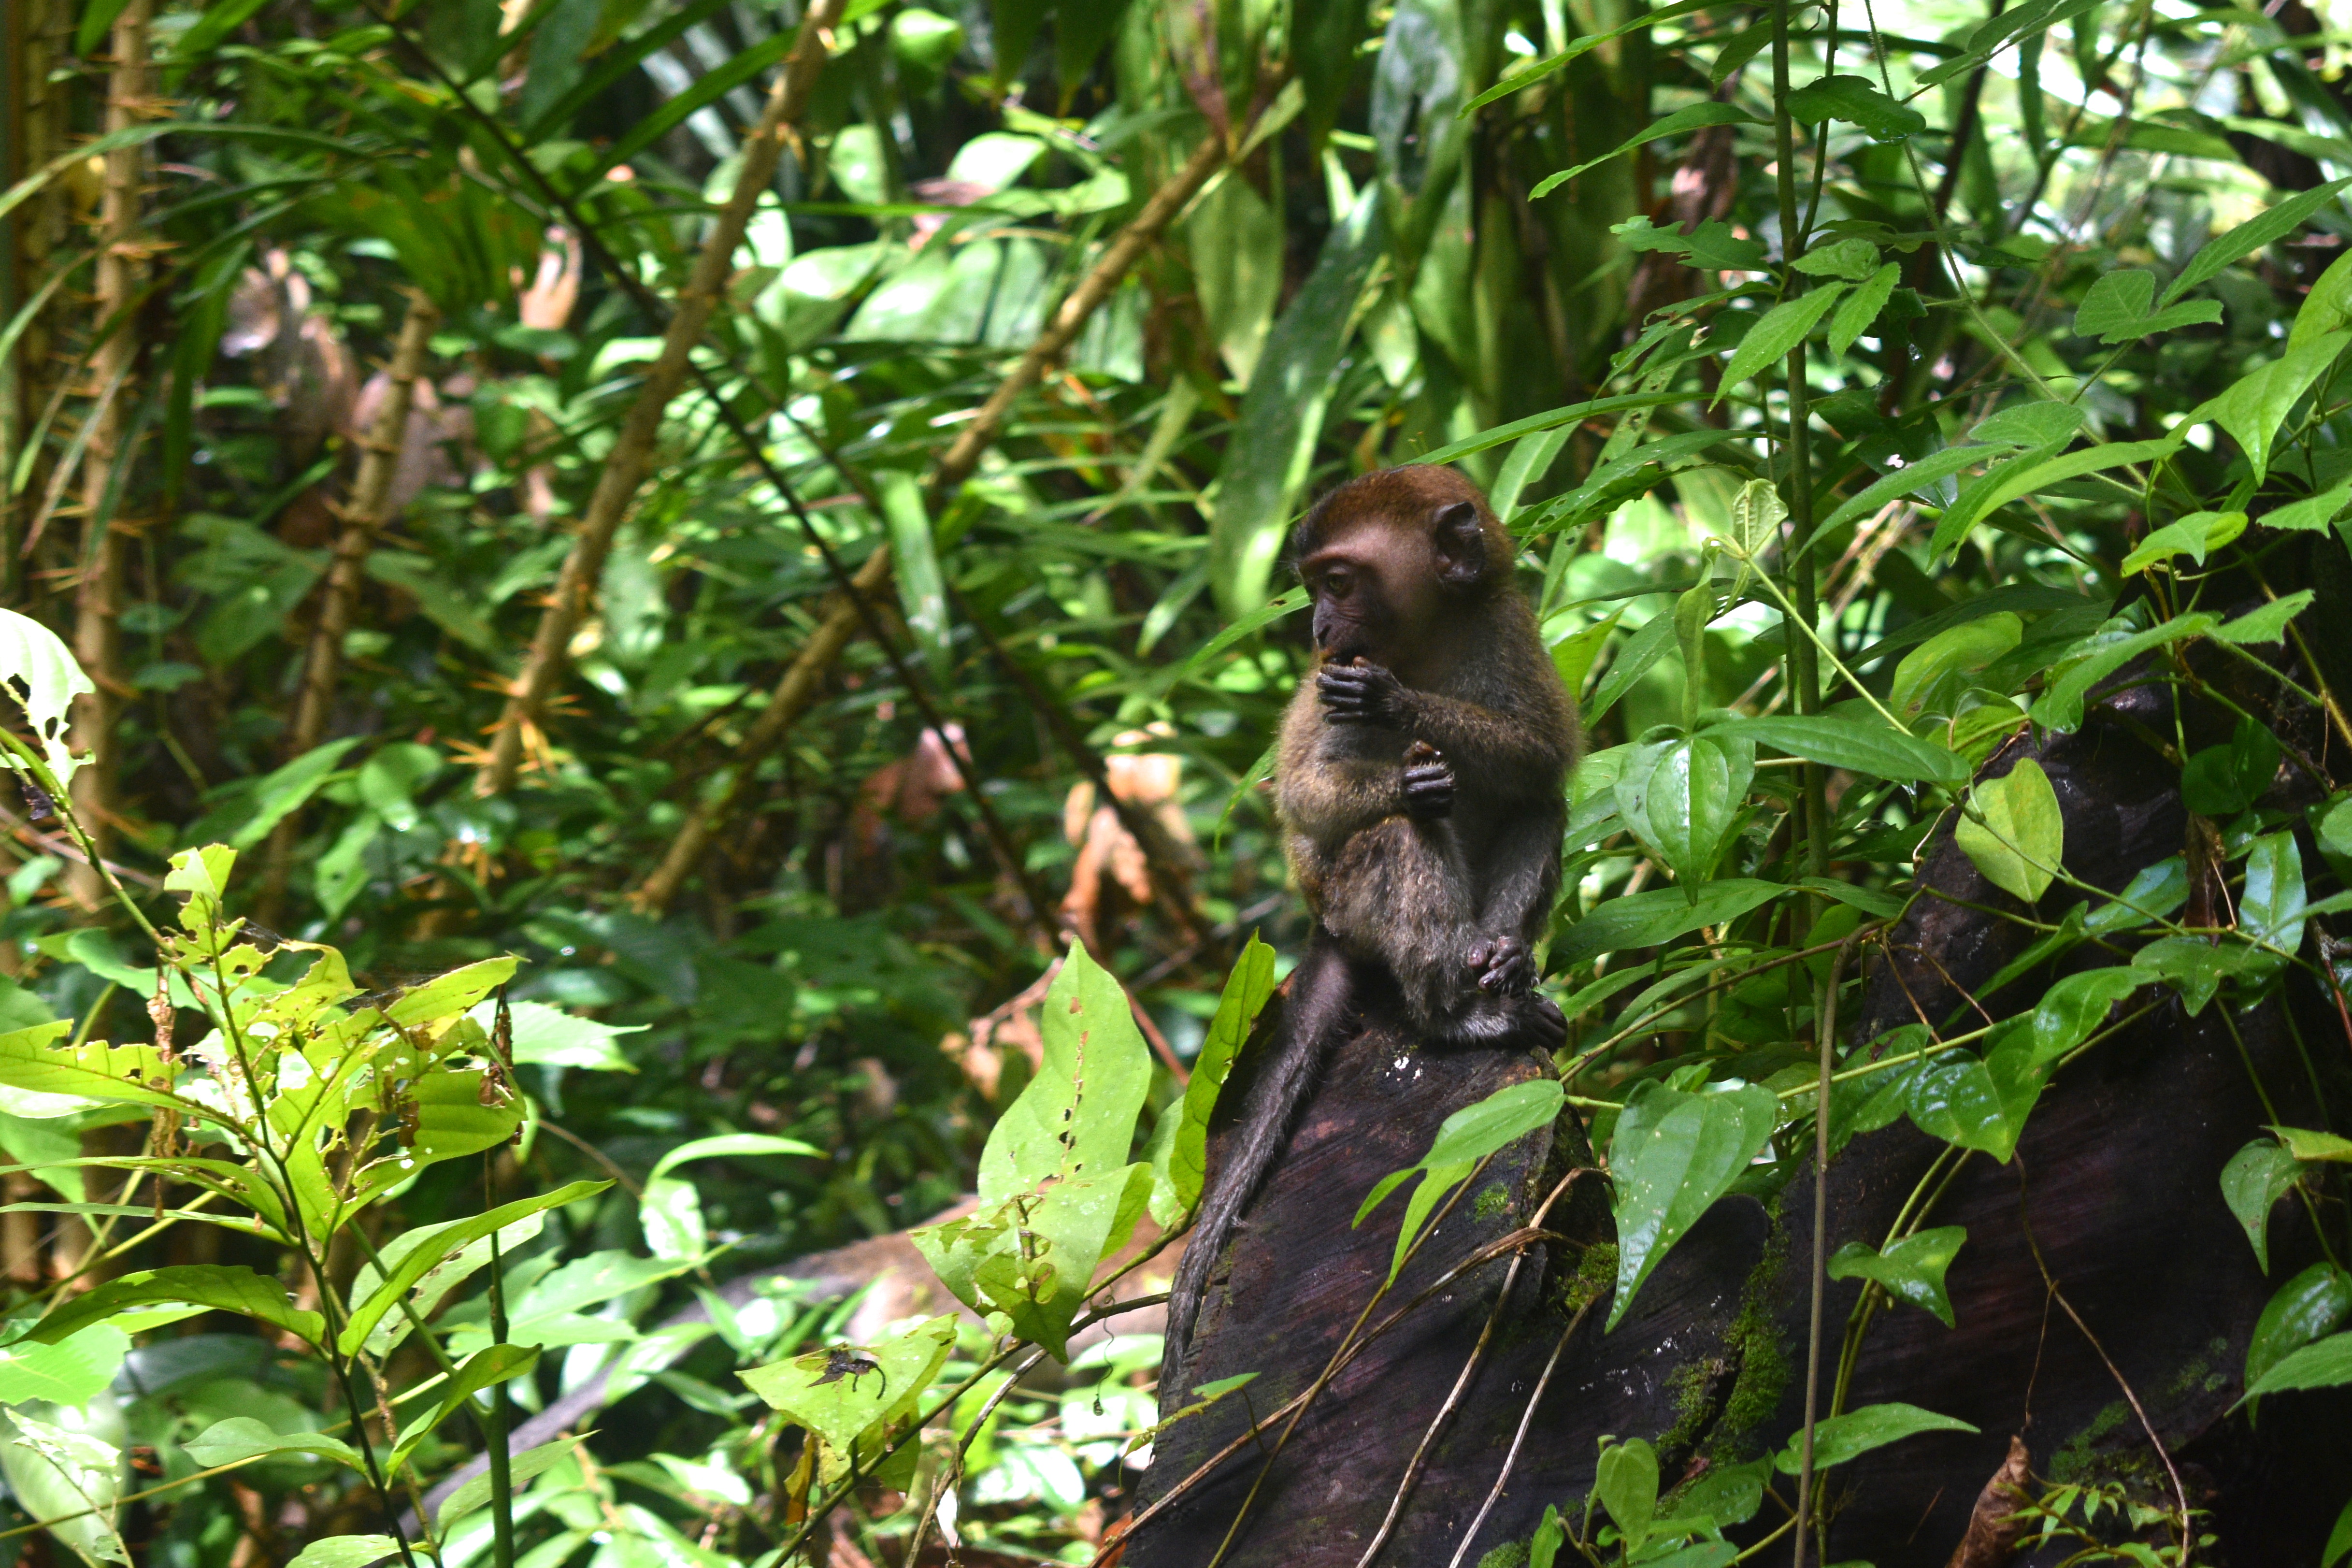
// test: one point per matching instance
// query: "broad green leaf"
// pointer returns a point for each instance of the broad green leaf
(2221, 781)
(1857, 1432)
(1932, 676)
(448, 1238)
(1712, 245)
(1180, 1164)
(2327, 1363)
(1770, 340)
(2313, 513)
(1867, 746)
(1464, 1139)
(346, 1551)
(2193, 966)
(1859, 311)
(1672, 1155)
(2195, 536)
(2270, 910)
(1626, 1481)
(277, 795)
(2258, 402)
(1978, 1103)
(31, 655)
(2252, 235)
(68, 1373)
(486, 1368)
(842, 1393)
(2119, 309)
(1040, 1272)
(1551, 1534)
(2014, 833)
(2268, 623)
(1912, 1270)
(2256, 1177)
(226, 1288)
(1076, 1117)
(2339, 1539)
(2038, 424)
(457, 1263)
(2305, 1143)
(1696, 117)
(2030, 474)
(1852, 259)
(446, 997)
(2091, 660)
(2314, 1303)
(2072, 1010)
(1997, 32)
(1852, 98)
(1649, 919)
(243, 1438)
(475, 1493)
(550, 1037)
(66, 1476)
(1681, 797)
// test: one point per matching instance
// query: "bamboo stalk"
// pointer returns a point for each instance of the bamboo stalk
(98, 595)
(632, 455)
(798, 687)
(363, 518)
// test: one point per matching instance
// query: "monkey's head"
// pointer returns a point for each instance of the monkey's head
(1396, 560)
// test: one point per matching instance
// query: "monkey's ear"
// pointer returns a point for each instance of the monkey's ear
(1461, 546)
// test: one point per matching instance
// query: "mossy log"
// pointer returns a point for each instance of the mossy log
(2116, 1182)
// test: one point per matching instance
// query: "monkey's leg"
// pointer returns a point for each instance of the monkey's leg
(1314, 1014)
(1515, 906)
(1399, 893)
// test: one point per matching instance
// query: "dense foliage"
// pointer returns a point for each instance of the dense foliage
(679, 557)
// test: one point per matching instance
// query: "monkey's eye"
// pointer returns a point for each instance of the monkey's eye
(1335, 584)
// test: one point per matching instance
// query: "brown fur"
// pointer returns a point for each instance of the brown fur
(1420, 784)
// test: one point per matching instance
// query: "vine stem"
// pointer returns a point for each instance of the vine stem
(1825, 1021)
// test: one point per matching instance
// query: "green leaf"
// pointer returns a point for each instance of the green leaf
(2073, 1009)
(2256, 1177)
(1076, 1117)
(2339, 1539)
(2221, 781)
(2271, 909)
(2014, 833)
(727, 1145)
(1932, 676)
(486, 1368)
(1857, 1432)
(1696, 117)
(1180, 1167)
(1858, 311)
(1682, 796)
(1997, 31)
(1852, 99)
(446, 1239)
(1626, 1481)
(67, 1478)
(1867, 746)
(2257, 403)
(550, 1037)
(31, 655)
(1852, 259)
(346, 1551)
(2314, 1303)
(226, 1287)
(1912, 1270)
(2060, 706)
(276, 795)
(475, 1493)
(2030, 473)
(1978, 1103)
(915, 561)
(1649, 919)
(1544, 68)
(2117, 310)
(1912, 479)
(2038, 424)
(1769, 340)
(842, 1393)
(2325, 1364)
(2268, 623)
(2197, 535)
(1267, 460)
(1711, 245)
(68, 1373)
(2252, 235)
(1672, 1154)
(243, 1438)
(1464, 1139)
(1633, 660)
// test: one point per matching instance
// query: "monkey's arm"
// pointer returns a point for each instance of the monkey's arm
(1333, 798)
(1514, 752)
(1313, 1015)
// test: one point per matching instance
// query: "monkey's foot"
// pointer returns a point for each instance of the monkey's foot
(1503, 967)
(1546, 1025)
(1428, 783)
(1360, 693)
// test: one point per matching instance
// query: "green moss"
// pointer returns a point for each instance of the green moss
(1692, 1408)
(1596, 1271)
(1510, 1554)
(1492, 1202)
(2073, 1459)
(1755, 1344)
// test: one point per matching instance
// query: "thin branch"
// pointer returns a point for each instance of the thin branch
(632, 454)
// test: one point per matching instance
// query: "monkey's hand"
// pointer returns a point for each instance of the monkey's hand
(1428, 783)
(1503, 967)
(1360, 693)
(1540, 1017)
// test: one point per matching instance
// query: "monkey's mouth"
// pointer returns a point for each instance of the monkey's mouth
(1345, 653)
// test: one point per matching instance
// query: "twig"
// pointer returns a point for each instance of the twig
(1826, 1027)
(1518, 1437)
(633, 453)
(952, 1472)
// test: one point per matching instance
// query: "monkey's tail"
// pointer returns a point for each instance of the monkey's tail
(1322, 994)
